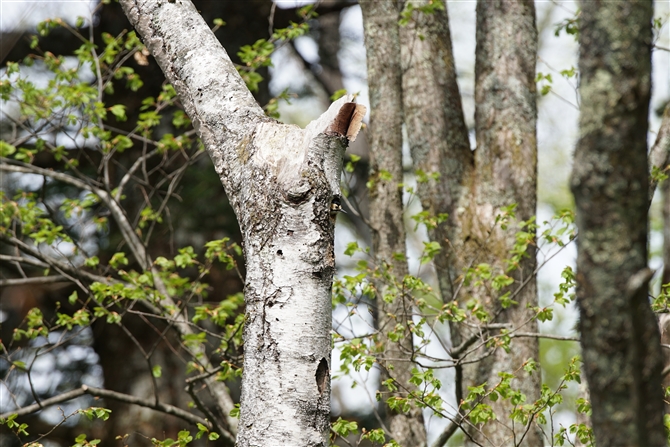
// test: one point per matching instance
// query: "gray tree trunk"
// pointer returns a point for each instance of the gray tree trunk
(506, 173)
(438, 140)
(380, 21)
(474, 188)
(281, 181)
(619, 333)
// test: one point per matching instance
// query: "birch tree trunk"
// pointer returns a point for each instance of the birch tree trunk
(619, 333)
(380, 21)
(281, 181)
(475, 188)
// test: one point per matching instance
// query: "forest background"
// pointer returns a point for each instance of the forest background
(299, 76)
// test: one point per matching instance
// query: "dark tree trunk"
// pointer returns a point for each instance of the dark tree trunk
(619, 333)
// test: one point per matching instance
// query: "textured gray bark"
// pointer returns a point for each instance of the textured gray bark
(439, 143)
(380, 21)
(473, 189)
(619, 334)
(281, 181)
(506, 173)
(437, 133)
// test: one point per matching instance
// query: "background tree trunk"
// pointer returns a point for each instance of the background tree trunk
(619, 333)
(473, 190)
(380, 21)
(438, 140)
(506, 174)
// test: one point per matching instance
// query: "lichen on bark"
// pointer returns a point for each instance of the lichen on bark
(619, 333)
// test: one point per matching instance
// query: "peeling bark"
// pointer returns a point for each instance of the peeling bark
(380, 21)
(619, 333)
(289, 231)
(281, 181)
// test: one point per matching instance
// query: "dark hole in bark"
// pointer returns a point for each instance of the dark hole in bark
(280, 253)
(316, 274)
(322, 375)
(290, 232)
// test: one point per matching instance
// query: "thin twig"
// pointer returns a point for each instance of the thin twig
(33, 280)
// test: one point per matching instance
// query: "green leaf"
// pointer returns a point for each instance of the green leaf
(157, 371)
(430, 249)
(343, 427)
(121, 143)
(118, 259)
(338, 94)
(119, 111)
(235, 412)
(352, 247)
(6, 149)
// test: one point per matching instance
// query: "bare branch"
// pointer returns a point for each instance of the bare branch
(547, 336)
(129, 235)
(213, 93)
(69, 395)
(121, 397)
(23, 260)
(63, 266)
(448, 432)
(33, 280)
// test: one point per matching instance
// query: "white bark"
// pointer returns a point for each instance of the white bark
(281, 181)
(288, 233)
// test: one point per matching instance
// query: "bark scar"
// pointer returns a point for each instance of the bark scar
(322, 375)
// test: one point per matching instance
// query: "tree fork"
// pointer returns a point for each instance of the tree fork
(281, 181)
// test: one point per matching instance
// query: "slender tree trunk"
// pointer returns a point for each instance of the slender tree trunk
(438, 139)
(380, 20)
(506, 174)
(281, 181)
(619, 333)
